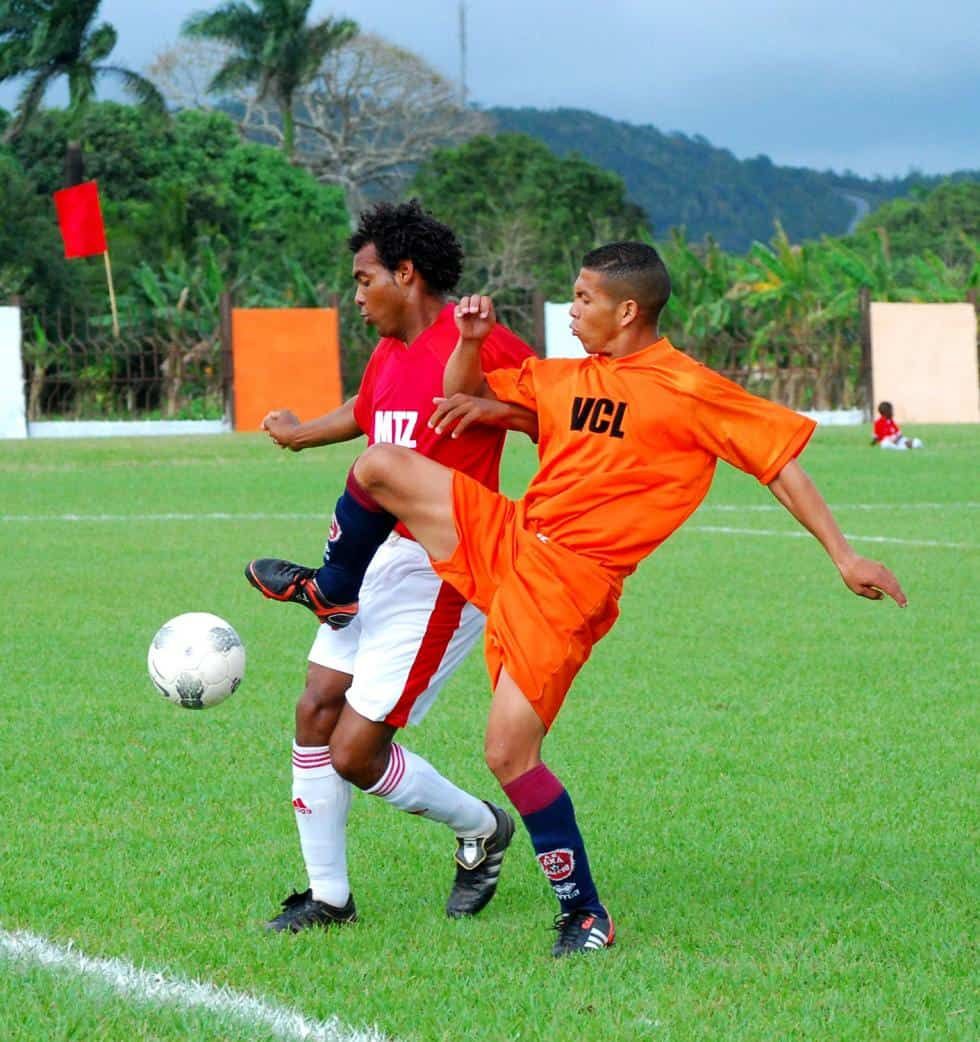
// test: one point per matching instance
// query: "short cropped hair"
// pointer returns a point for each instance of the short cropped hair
(404, 231)
(633, 271)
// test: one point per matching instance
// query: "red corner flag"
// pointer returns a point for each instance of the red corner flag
(80, 219)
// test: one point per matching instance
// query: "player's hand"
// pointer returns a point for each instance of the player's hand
(475, 317)
(453, 415)
(872, 579)
(280, 424)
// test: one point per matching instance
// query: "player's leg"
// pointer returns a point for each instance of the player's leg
(416, 490)
(415, 631)
(321, 802)
(386, 482)
(513, 752)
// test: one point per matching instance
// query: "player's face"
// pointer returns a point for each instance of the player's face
(595, 314)
(378, 297)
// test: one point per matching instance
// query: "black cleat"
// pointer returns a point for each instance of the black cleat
(301, 911)
(478, 864)
(582, 931)
(285, 581)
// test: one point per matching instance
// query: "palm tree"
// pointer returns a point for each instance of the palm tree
(46, 39)
(273, 48)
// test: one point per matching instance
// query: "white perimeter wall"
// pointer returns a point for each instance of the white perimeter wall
(558, 339)
(13, 422)
(13, 418)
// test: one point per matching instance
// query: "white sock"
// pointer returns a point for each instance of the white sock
(321, 799)
(414, 785)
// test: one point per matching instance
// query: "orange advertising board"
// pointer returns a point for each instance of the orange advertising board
(284, 358)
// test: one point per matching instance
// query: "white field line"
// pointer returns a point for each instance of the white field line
(217, 516)
(268, 516)
(710, 529)
(149, 987)
(727, 530)
(737, 508)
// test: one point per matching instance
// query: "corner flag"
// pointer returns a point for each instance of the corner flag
(83, 233)
(80, 220)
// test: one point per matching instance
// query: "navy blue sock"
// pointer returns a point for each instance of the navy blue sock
(359, 526)
(548, 814)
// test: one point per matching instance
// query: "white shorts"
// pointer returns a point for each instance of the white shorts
(411, 631)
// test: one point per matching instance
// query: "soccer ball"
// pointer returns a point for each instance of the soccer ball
(196, 660)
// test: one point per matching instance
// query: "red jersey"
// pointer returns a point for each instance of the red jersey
(885, 428)
(394, 401)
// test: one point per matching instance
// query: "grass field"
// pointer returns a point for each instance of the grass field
(777, 780)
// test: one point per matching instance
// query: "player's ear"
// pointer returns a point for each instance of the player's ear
(405, 272)
(628, 311)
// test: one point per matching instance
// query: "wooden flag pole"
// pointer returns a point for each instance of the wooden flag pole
(112, 295)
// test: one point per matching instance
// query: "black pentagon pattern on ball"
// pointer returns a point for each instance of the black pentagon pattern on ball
(223, 639)
(190, 690)
(235, 681)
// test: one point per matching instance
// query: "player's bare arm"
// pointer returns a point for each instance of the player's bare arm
(453, 415)
(475, 318)
(798, 494)
(288, 432)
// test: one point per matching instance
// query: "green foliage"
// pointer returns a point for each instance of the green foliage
(944, 222)
(32, 264)
(524, 215)
(189, 195)
(685, 182)
(44, 40)
(273, 48)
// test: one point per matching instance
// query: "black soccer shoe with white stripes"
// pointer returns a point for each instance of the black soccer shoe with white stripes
(302, 911)
(582, 931)
(478, 864)
(285, 581)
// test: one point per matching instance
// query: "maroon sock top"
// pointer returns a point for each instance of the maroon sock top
(534, 790)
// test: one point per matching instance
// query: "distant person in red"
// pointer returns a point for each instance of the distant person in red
(887, 433)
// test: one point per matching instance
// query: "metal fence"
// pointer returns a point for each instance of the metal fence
(77, 369)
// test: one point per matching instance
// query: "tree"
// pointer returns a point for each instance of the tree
(32, 266)
(373, 114)
(365, 122)
(46, 39)
(272, 48)
(184, 200)
(946, 221)
(525, 216)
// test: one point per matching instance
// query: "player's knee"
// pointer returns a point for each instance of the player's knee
(360, 765)
(376, 467)
(317, 712)
(508, 759)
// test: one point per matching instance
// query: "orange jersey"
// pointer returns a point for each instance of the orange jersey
(628, 446)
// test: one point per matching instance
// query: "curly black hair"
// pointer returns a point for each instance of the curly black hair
(404, 231)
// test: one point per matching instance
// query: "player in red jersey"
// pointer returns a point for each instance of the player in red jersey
(628, 441)
(372, 674)
(887, 434)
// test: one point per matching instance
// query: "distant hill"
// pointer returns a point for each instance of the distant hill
(687, 181)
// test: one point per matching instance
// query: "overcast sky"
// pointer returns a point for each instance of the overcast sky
(875, 86)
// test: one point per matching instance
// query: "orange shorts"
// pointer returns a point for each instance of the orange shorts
(546, 606)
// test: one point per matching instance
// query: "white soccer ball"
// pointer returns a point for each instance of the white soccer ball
(196, 660)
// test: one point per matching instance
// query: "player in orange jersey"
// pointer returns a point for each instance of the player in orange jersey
(628, 440)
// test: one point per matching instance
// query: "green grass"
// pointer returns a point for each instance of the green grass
(776, 779)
